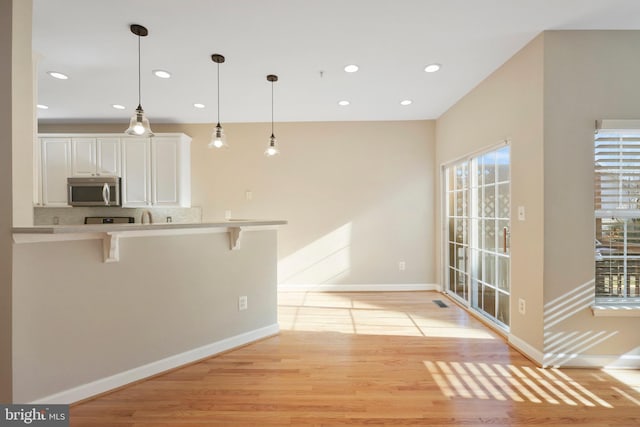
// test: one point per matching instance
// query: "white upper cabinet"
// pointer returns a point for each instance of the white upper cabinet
(96, 156)
(56, 167)
(136, 172)
(109, 157)
(155, 171)
(170, 171)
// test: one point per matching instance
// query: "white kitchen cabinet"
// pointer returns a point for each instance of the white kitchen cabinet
(136, 172)
(157, 171)
(170, 171)
(95, 156)
(56, 167)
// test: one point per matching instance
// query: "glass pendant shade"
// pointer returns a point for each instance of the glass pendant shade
(218, 138)
(272, 149)
(139, 124)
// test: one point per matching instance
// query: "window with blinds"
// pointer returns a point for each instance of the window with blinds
(617, 211)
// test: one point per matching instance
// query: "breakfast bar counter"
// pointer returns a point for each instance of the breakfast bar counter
(92, 228)
(112, 233)
(100, 306)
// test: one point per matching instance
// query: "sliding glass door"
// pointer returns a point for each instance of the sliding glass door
(478, 239)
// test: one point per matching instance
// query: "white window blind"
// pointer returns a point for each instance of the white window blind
(617, 211)
(617, 171)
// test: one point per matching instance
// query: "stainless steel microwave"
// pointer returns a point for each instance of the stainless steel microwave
(94, 191)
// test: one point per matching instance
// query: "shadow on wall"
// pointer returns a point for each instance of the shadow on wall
(359, 246)
(563, 344)
(325, 260)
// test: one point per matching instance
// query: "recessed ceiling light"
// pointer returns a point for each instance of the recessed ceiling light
(343, 103)
(432, 68)
(118, 106)
(198, 105)
(352, 68)
(57, 75)
(162, 74)
(406, 102)
(43, 107)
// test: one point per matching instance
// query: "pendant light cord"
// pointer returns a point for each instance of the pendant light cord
(139, 77)
(218, 93)
(272, 109)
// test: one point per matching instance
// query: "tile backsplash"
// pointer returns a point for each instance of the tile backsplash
(75, 215)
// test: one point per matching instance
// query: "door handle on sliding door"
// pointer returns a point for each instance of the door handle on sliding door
(505, 232)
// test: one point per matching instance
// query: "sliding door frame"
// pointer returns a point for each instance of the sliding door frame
(444, 227)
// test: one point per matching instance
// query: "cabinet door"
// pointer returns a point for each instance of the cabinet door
(108, 150)
(56, 168)
(165, 159)
(136, 186)
(83, 156)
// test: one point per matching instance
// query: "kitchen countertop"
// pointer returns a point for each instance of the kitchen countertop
(110, 228)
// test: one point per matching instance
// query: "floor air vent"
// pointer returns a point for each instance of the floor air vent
(439, 303)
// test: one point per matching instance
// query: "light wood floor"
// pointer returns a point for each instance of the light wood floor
(372, 359)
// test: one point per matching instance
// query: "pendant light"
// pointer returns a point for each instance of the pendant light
(272, 149)
(218, 138)
(139, 124)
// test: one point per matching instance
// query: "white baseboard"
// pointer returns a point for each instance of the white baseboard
(123, 378)
(553, 360)
(591, 361)
(359, 288)
(527, 349)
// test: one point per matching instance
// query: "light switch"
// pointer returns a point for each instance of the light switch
(521, 216)
(248, 195)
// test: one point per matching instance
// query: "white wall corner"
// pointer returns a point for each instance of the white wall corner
(406, 287)
(527, 349)
(102, 385)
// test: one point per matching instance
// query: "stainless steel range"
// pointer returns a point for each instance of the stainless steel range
(109, 220)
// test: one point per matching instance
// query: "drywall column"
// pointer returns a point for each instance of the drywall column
(6, 380)
(24, 128)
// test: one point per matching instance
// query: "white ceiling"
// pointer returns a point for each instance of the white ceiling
(390, 40)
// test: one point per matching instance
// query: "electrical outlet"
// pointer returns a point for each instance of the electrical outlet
(242, 303)
(227, 214)
(522, 307)
(402, 265)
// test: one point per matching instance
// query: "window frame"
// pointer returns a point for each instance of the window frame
(617, 203)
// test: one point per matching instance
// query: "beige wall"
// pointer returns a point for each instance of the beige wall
(78, 320)
(5, 195)
(359, 196)
(545, 100)
(23, 116)
(508, 105)
(589, 75)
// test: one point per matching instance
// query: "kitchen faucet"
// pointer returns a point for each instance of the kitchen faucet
(146, 214)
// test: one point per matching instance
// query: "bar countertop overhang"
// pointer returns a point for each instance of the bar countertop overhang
(109, 228)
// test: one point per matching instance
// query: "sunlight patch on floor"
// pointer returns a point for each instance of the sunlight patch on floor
(470, 380)
(346, 313)
(628, 377)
